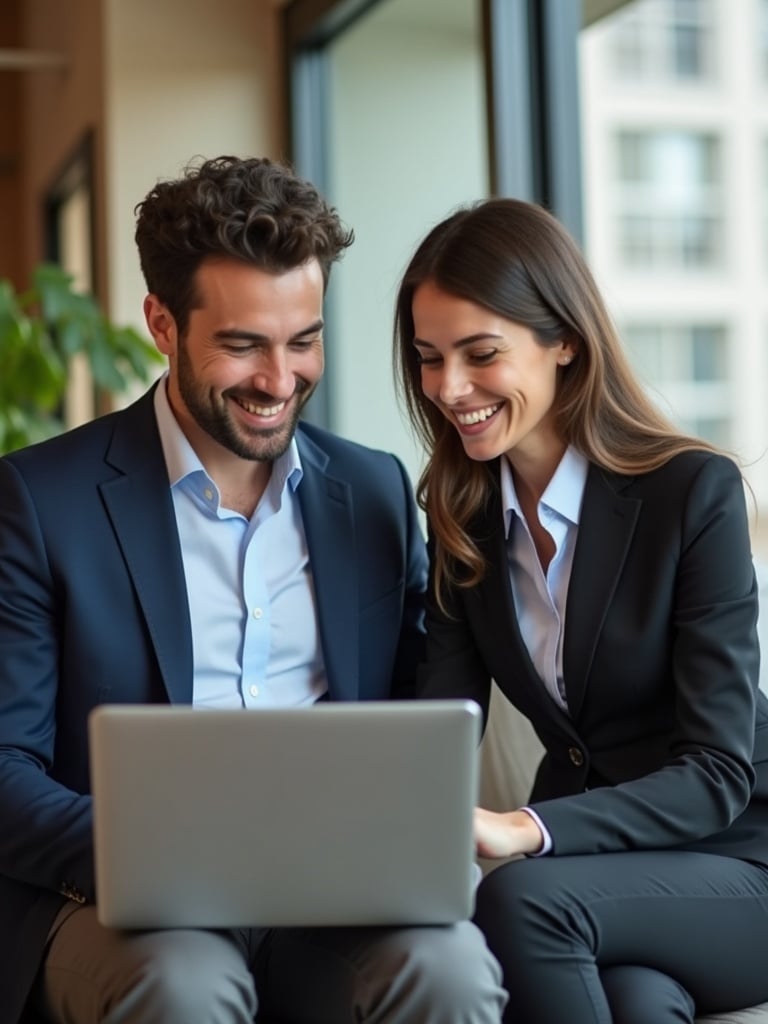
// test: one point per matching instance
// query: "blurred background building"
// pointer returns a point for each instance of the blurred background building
(674, 101)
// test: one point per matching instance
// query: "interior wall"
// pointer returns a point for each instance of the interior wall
(10, 149)
(59, 105)
(157, 84)
(185, 78)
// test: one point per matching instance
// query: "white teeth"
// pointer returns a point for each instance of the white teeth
(262, 410)
(466, 419)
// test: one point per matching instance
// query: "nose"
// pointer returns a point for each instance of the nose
(454, 382)
(274, 376)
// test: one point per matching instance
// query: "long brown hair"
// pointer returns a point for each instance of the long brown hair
(515, 259)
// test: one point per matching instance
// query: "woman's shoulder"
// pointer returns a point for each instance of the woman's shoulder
(685, 466)
(692, 462)
(693, 474)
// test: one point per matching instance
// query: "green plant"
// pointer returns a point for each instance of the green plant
(41, 329)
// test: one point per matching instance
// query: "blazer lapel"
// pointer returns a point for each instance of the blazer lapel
(140, 506)
(326, 510)
(606, 526)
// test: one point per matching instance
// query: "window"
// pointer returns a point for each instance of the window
(669, 197)
(401, 102)
(665, 39)
(687, 364)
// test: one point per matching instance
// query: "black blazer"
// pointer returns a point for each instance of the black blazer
(93, 609)
(666, 739)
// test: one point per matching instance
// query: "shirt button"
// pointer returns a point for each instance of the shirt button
(576, 756)
(254, 691)
(257, 613)
(208, 494)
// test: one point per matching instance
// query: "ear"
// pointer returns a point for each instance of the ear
(566, 354)
(161, 325)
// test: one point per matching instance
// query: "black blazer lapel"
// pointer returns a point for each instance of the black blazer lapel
(326, 510)
(140, 506)
(606, 526)
(495, 591)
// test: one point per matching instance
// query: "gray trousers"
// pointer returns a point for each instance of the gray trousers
(441, 975)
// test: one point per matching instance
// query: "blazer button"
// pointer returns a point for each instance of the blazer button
(576, 756)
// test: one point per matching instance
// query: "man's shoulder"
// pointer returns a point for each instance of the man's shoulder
(373, 474)
(334, 446)
(84, 445)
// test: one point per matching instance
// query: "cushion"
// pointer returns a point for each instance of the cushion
(752, 1015)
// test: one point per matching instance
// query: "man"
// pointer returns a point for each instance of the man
(203, 546)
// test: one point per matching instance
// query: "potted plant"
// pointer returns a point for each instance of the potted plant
(41, 329)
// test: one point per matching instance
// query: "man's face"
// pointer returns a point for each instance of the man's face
(250, 359)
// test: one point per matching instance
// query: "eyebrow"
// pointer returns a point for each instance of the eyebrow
(461, 342)
(240, 334)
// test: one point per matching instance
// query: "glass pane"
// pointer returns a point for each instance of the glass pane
(392, 176)
(667, 39)
(674, 98)
(708, 353)
(670, 185)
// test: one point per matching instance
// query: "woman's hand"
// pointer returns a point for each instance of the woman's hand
(506, 834)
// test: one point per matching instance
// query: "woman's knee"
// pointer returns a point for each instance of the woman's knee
(528, 915)
(514, 896)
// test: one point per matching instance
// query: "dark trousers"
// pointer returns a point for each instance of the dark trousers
(627, 938)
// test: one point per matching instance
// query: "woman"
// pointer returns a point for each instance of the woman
(596, 564)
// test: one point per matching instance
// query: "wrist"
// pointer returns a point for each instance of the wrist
(530, 836)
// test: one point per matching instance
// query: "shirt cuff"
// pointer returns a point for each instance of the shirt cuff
(547, 845)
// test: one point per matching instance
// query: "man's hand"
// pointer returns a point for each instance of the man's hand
(506, 834)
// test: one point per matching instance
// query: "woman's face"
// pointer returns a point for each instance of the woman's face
(489, 376)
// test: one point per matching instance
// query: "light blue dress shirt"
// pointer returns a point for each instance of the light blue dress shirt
(252, 610)
(540, 598)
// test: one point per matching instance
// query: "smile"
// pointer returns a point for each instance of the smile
(260, 410)
(466, 419)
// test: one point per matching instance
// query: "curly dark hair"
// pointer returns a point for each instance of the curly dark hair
(254, 210)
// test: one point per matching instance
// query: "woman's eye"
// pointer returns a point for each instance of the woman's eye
(427, 360)
(483, 357)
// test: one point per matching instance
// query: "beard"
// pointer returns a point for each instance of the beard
(212, 413)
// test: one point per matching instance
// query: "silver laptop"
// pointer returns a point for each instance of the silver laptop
(336, 814)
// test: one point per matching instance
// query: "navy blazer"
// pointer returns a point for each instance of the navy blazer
(665, 742)
(93, 609)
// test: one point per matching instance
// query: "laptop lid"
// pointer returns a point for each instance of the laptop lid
(335, 814)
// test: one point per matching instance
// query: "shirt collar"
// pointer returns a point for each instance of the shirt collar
(182, 461)
(563, 493)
